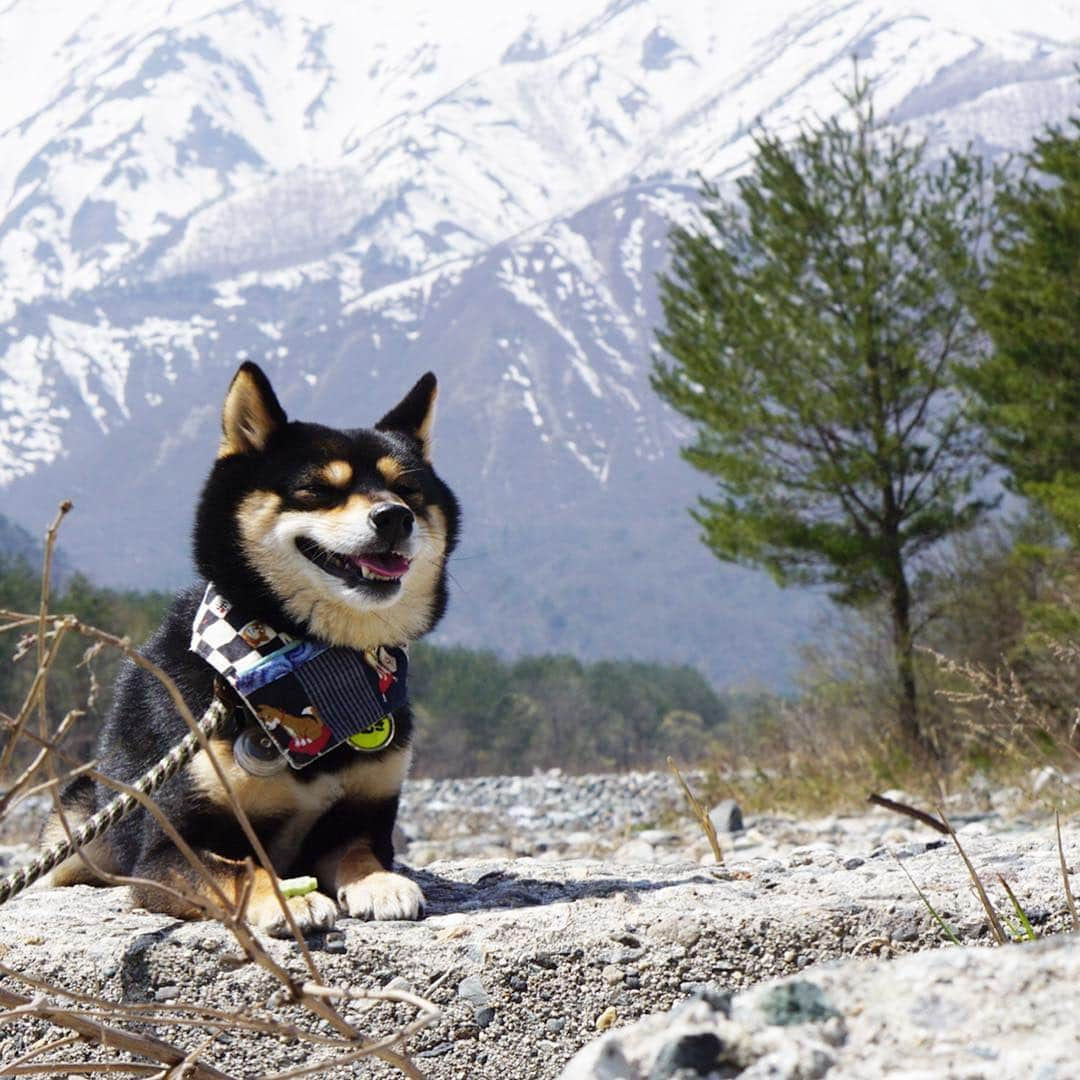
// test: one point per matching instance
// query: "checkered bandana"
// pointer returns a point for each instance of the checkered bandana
(309, 697)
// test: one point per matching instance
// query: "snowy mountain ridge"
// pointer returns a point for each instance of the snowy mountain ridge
(351, 194)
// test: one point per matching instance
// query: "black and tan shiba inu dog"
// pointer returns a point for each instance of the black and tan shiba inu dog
(337, 538)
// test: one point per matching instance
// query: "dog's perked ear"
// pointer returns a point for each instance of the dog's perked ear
(251, 414)
(415, 413)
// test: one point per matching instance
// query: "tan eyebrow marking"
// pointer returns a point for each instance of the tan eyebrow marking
(390, 468)
(337, 473)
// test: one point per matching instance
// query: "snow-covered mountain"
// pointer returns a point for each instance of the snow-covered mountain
(353, 193)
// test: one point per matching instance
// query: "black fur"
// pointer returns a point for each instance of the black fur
(143, 723)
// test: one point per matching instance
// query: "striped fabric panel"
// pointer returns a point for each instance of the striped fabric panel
(338, 680)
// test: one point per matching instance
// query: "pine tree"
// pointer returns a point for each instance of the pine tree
(814, 328)
(1030, 385)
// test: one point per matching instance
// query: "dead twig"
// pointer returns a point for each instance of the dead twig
(908, 811)
(78, 1068)
(145, 1046)
(23, 779)
(95, 1020)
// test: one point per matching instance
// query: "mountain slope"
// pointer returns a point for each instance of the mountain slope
(352, 194)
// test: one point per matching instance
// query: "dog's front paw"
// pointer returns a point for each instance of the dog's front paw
(382, 895)
(313, 912)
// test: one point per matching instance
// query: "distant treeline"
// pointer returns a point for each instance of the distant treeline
(477, 713)
(73, 684)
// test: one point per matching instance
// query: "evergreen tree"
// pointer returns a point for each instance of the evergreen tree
(1030, 386)
(815, 326)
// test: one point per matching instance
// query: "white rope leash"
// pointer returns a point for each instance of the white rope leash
(212, 721)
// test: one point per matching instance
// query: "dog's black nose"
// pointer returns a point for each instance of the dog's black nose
(393, 522)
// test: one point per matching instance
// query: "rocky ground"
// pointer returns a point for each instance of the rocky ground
(563, 908)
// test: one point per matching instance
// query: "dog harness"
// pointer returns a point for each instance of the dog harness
(308, 697)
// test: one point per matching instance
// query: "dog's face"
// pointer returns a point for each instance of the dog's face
(345, 532)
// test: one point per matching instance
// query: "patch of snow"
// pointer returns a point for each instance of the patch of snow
(31, 425)
(90, 355)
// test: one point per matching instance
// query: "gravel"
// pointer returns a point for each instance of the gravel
(537, 951)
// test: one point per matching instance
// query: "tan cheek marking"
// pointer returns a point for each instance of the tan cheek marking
(256, 514)
(337, 474)
(390, 468)
(437, 526)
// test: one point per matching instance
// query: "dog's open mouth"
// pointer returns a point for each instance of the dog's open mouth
(378, 571)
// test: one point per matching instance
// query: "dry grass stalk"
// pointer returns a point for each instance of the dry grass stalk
(700, 813)
(99, 1021)
(809, 757)
(995, 923)
(1007, 719)
(1069, 898)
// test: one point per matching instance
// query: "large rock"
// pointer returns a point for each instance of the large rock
(529, 960)
(1007, 1013)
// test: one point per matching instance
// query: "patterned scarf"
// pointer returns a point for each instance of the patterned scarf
(309, 697)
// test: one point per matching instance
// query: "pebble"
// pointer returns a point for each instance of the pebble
(613, 974)
(905, 930)
(607, 1018)
(167, 993)
(436, 1051)
(727, 817)
(688, 933)
(472, 990)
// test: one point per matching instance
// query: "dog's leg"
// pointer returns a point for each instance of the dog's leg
(367, 889)
(77, 800)
(312, 912)
(360, 871)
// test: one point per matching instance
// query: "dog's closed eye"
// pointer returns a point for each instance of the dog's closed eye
(315, 494)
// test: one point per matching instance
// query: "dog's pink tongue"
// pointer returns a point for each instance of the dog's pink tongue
(387, 565)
